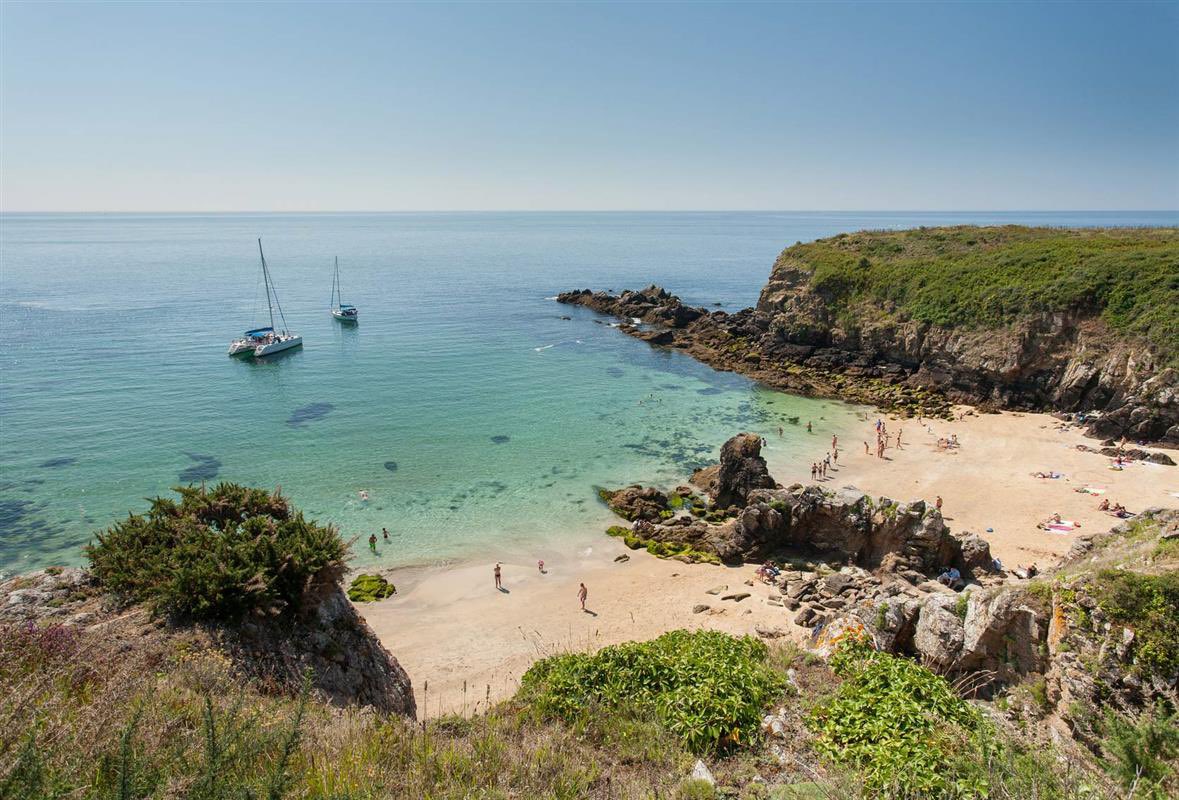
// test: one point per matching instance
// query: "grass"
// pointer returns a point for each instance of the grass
(217, 554)
(989, 277)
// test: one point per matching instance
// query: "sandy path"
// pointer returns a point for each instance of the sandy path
(449, 627)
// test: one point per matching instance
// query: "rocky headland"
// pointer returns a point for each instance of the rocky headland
(1067, 321)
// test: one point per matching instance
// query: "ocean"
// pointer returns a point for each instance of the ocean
(472, 413)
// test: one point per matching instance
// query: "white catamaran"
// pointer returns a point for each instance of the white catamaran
(265, 341)
(344, 312)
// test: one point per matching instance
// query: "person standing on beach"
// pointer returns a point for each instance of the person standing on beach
(834, 442)
(582, 593)
(372, 543)
(540, 566)
(938, 504)
(867, 452)
(498, 584)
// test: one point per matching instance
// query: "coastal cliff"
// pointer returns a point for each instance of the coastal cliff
(1077, 321)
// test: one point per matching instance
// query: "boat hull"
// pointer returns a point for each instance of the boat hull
(277, 347)
(342, 317)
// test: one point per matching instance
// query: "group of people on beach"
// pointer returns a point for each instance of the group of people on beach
(819, 469)
(884, 439)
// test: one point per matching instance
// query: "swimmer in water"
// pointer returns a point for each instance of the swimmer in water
(364, 495)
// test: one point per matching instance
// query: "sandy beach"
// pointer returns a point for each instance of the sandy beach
(463, 642)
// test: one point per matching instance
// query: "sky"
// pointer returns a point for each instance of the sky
(543, 106)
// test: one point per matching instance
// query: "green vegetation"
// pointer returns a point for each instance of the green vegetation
(662, 549)
(367, 588)
(988, 277)
(1141, 752)
(1149, 604)
(894, 721)
(216, 554)
(707, 688)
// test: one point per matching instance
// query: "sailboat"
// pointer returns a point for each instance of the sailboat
(265, 341)
(344, 312)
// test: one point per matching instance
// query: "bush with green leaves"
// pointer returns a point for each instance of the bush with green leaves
(706, 687)
(1142, 751)
(217, 554)
(895, 722)
(1149, 604)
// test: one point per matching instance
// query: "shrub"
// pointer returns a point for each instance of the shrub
(706, 687)
(890, 719)
(1138, 751)
(367, 588)
(217, 554)
(1150, 605)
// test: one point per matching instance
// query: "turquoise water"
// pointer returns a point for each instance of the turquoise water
(472, 414)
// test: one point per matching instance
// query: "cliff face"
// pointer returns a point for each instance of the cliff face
(330, 643)
(1059, 361)
(1036, 319)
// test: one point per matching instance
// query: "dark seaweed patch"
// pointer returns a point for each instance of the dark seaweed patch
(391, 466)
(309, 413)
(614, 372)
(57, 463)
(204, 468)
(710, 390)
(501, 439)
(670, 386)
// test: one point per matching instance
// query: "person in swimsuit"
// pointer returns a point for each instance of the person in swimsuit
(498, 584)
(582, 593)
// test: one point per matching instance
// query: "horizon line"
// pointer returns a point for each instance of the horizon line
(621, 211)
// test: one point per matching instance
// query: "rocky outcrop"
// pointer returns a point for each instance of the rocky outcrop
(741, 470)
(747, 520)
(635, 502)
(328, 641)
(733, 342)
(799, 339)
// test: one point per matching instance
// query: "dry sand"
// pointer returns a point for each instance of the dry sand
(462, 641)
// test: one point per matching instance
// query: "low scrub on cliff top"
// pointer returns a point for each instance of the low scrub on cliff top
(217, 554)
(984, 277)
(707, 688)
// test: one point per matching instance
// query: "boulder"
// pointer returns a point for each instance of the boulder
(636, 502)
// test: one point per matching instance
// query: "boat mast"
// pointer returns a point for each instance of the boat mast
(266, 277)
(339, 296)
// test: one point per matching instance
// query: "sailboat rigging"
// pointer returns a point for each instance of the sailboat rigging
(265, 341)
(344, 312)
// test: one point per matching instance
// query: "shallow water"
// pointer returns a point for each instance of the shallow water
(471, 413)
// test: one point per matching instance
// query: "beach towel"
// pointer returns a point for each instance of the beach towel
(1060, 528)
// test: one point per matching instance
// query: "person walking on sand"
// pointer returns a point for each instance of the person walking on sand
(867, 452)
(834, 442)
(372, 543)
(540, 566)
(582, 593)
(498, 583)
(835, 457)
(938, 503)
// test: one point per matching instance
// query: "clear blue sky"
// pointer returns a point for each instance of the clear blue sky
(158, 106)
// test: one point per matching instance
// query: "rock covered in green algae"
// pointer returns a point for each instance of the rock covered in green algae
(367, 588)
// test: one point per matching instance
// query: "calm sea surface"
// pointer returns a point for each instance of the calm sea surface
(473, 415)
